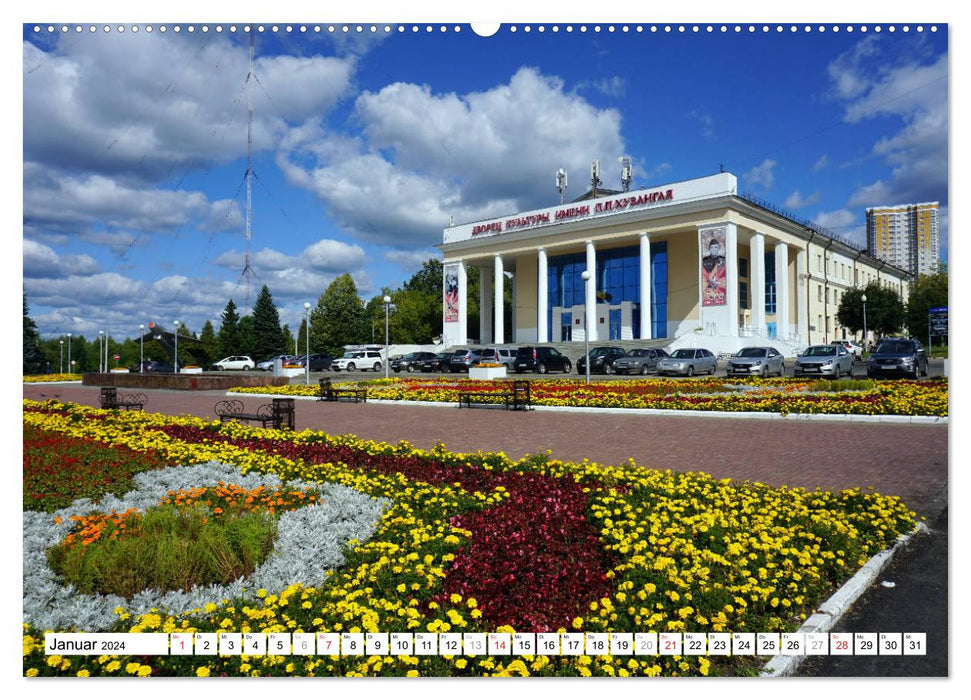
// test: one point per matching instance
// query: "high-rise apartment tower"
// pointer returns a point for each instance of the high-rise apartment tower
(906, 236)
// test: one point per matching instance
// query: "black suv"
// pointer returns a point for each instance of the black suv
(442, 362)
(410, 362)
(539, 359)
(601, 360)
(897, 357)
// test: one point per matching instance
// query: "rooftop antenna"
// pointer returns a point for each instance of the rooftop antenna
(595, 180)
(626, 172)
(561, 183)
(247, 270)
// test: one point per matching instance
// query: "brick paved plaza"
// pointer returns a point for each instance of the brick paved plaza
(905, 460)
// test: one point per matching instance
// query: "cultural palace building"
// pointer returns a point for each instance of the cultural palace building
(692, 262)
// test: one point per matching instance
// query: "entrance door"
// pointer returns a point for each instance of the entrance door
(615, 324)
(566, 326)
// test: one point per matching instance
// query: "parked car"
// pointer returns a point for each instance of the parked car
(853, 347)
(442, 362)
(639, 361)
(762, 361)
(465, 358)
(267, 365)
(601, 360)
(688, 361)
(318, 362)
(897, 357)
(242, 362)
(834, 360)
(541, 360)
(503, 356)
(410, 362)
(357, 360)
(153, 366)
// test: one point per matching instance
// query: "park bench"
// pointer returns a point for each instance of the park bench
(518, 398)
(279, 413)
(328, 392)
(111, 399)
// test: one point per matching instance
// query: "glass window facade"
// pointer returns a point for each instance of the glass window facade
(770, 283)
(618, 280)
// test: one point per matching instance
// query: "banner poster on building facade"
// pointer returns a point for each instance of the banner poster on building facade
(713, 279)
(451, 293)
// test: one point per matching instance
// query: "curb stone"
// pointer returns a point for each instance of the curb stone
(744, 415)
(830, 612)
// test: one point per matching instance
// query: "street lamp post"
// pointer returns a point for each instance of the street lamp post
(106, 351)
(864, 322)
(62, 357)
(585, 276)
(141, 348)
(306, 308)
(101, 351)
(387, 360)
(176, 331)
(70, 365)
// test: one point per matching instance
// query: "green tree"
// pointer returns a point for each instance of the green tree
(268, 337)
(927, 292)
(302, 338)
(288, 337)
(247, 336)
(339, 318)
(884, 310)
(229, 332)
(34, 360)
(210, 344)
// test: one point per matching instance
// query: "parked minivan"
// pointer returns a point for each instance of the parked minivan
(504, 356)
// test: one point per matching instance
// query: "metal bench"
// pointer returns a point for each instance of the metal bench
(518, 398)
(111, 399)
(328, 392)
(279, 413)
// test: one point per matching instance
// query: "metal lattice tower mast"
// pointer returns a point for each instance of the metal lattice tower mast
(247, 270)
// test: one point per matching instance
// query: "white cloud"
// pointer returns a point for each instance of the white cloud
(797, 201)
(42, 261)
(821, 163)
(909, 92)
(410, 260)
(846, 223)
(761, 175)
(147, 104)
(707, 123)
(412, 176)
(62, 203)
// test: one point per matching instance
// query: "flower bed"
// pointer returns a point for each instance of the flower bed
(483, 543)
(38, 378)
(803, 396)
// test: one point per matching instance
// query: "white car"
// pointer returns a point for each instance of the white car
(853, 347)
(242, 362)
(359, 360)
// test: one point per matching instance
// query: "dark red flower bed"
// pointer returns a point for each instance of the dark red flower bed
(533, 562)
(59, 469)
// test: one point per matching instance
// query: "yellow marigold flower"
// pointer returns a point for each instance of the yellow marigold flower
(412, 673)
(31, 672)
(145, 671)
(202, 672)
(461, 663)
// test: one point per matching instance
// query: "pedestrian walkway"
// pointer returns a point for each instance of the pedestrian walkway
(909, 461)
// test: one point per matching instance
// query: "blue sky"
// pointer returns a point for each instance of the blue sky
(365, 144)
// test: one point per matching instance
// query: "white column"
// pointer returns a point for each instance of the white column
(731, 277)
(590, 296)
(463, 337)
(782, 290)
(497, 310)
(645, 302)
(802, 290)
(485, 304)
(756, 279)
(542, 300)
